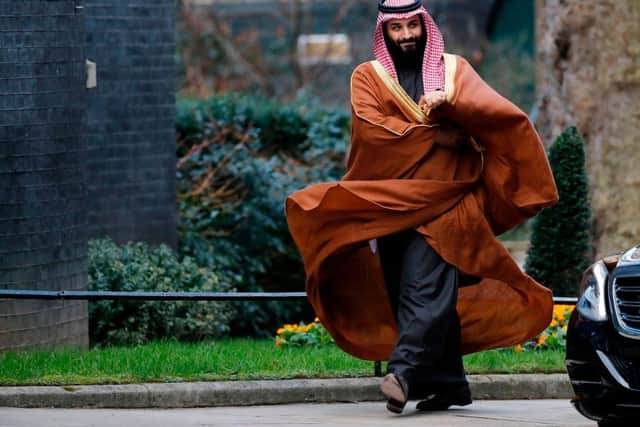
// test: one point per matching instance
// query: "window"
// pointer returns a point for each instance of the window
(324, 49)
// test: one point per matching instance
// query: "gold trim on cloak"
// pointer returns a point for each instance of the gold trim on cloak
(405, 100)
(399, 93)
(450, 68)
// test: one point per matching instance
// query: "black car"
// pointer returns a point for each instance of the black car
(603, 342)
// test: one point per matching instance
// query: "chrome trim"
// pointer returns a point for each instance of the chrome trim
(618, 317)
(573, 362)
(629, 303)
(631, 317)
(631, 288)
(613, 370)
(632, 256)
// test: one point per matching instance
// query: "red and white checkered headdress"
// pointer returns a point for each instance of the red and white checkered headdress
(433, 61)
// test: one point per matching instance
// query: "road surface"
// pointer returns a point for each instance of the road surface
(486, 413)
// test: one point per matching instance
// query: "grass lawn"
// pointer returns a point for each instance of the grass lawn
(228, 359)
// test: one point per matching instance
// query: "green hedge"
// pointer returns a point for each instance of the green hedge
(140, 267)
(238, 158)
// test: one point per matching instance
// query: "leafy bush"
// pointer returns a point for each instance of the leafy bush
(561, 235)
(314, 334)
(238, 158)
(139, 267)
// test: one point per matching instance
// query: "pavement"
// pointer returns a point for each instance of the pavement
(485, 413)
(251, 393)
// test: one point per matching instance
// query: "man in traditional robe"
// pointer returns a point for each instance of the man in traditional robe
(439, 165)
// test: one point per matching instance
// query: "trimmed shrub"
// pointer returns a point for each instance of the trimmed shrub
(561, 235)
(139, 267)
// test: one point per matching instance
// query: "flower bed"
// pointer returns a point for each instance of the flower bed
(300, 335)
(554, 336)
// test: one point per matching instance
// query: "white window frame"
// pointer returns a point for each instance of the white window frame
(339, 39)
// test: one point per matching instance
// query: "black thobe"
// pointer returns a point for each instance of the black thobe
(423, 290)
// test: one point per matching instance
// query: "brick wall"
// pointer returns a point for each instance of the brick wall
(42, 190)
(130, 120)
(78, 164)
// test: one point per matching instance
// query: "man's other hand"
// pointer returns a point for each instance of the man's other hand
(431, 100)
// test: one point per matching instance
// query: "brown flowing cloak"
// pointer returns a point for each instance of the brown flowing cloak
(398, 177)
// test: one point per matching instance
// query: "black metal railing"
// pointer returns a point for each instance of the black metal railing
(182, 296)
(151, 296)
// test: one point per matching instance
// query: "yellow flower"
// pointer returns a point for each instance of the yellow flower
(308, 327)
(542, 339)
(553, 323)
(518, 348)
(279, 341)
(562, 310)
(280, 331)
(316, 320)
(564, 328)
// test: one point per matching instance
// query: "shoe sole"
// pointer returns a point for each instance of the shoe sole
(392, 390)
(443, 406)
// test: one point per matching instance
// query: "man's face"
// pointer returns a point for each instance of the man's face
(405, 33)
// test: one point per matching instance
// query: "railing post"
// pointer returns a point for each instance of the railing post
(377, 368)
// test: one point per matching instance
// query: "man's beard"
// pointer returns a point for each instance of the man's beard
(406, 52)
(408, 46)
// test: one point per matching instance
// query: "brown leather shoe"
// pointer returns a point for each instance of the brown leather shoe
(459, 396)
(396, 390)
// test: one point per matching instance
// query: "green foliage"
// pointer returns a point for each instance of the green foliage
(139, 267)
(238, 159)
(164, 361)
(312, 335)
(561, 235)
(227, 359)
(509, 67)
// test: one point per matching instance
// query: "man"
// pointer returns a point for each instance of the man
(439, 165)
(422, 287)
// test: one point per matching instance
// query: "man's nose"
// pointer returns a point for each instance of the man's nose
(406, 33)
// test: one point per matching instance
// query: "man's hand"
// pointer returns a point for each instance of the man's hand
(431, 100)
